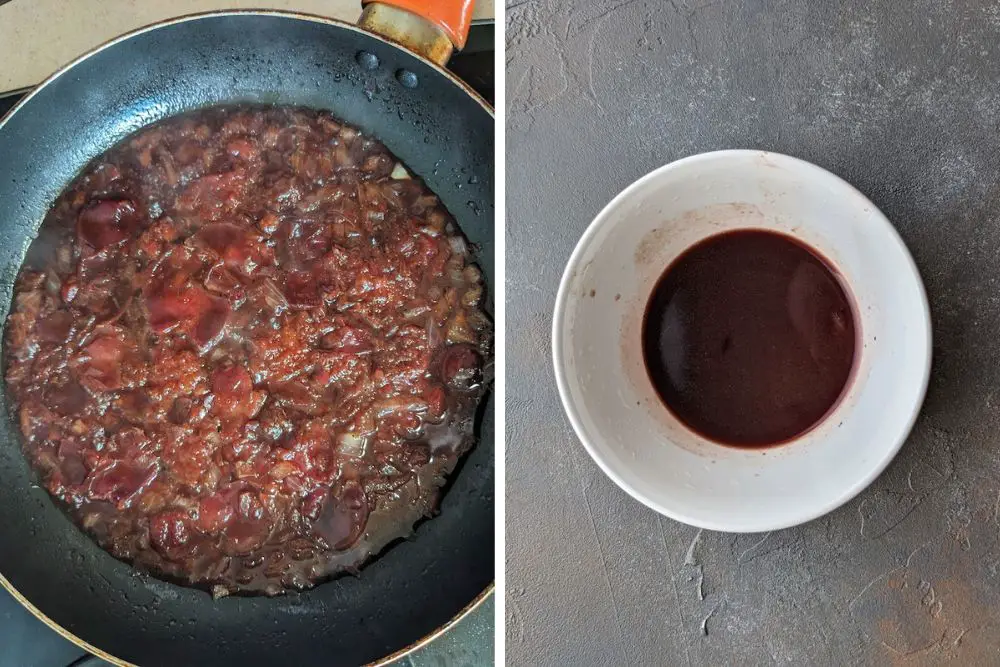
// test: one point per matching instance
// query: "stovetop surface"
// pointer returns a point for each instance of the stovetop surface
(27, 642)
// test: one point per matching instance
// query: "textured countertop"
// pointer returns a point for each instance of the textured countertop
(39, 36)
(903, 100)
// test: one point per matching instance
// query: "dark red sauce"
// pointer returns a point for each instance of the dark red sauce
(247, 348)
(749, 338)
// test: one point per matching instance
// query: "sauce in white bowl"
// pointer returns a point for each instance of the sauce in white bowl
(617, 412)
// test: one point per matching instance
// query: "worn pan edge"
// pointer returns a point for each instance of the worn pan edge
(302, 16)
(118, 662)
(35, 611)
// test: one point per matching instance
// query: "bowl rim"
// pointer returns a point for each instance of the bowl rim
(563, 297)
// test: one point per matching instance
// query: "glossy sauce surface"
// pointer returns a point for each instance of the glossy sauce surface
(749, 338)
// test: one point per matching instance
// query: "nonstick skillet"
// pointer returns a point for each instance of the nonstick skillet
(437, 126)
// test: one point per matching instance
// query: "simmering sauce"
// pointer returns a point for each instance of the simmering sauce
(247, 348)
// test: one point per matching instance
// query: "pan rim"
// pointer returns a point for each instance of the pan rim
(118, 662)
(302, 16)
(278, 13)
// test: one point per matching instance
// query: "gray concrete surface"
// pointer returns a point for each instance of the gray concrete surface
(903, 100)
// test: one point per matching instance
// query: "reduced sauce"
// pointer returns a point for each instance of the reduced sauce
(749, 338)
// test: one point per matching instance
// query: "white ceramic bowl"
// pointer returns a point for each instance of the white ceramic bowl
(614, 408)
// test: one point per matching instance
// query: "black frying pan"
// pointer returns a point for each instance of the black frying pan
(435, 125)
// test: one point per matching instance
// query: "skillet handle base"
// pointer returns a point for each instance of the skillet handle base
(431, 29)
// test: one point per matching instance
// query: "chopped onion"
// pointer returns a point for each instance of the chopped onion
(283, 470)
(169, 170)
(417, 311)
(401, 404)
(210, 478)
(458, 245)
(472, 296)
(425, 202)
(244, 469)
(269, 223)
(53, 284)
(64, 258)
(472, 274)
(366, 426)
(221, 280)
(434, 338)
(437, 219)
(454, 268)
(120, 310)
(353, 445)
(372, 163)
(273, 296)
(342, 157)
(477, 320)
(399, 172)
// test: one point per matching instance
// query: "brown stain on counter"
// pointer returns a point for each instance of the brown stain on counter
(938, 623)
(915, 619)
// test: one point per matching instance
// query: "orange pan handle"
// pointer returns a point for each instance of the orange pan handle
(432, 28)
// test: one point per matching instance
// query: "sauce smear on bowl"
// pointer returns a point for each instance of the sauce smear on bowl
(749, 338)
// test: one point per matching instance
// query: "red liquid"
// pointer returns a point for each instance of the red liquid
(749, 338)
